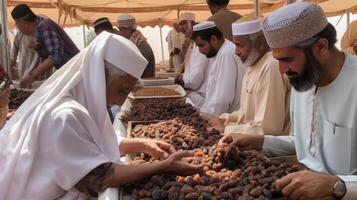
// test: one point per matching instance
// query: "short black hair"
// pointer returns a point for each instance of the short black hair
(103, 26)
(23, 12)
(217, 2)
(206, 34)
(329, 33)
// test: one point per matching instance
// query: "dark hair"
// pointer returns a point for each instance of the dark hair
(23, 12)
(329, 33)
(103, 26)
(217, 2)
(206, 34)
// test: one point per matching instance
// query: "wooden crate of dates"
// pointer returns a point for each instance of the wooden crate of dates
(17, 97)
(186, 136)
(161, 109)
(228, 174)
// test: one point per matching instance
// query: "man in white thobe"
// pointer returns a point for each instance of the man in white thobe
(175, 40)
(195, 76)
(23, 46)
(225, 73)
(323, 105)
(60, 143)
(265, 97)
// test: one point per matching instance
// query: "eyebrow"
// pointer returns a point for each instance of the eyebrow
(284, 58)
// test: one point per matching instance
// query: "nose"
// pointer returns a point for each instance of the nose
(283, 68)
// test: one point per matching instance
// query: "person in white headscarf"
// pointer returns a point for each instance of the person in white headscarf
(60, 143)
(323, 105)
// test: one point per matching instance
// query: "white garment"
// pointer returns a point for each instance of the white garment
(29, 58)
(224, 81)
(333, 149)
(175, 40)
(195, 77)
(63, 131)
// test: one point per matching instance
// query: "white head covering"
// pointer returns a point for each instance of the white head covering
(293, 23)
(83, 77)
(187, 17)
(126, 20)
(204, 26)
(247, 28)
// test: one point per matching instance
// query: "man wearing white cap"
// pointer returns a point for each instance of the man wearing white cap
(175, 40)
(127, 29)
(225, 73)
(323, 105)
(60, 143)
(195, 76)
(265, 97)
(103, 24)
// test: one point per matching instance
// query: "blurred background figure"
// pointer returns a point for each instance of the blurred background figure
(349, 39)
(127, 28)
(175, 40)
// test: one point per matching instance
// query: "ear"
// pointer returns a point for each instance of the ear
(320, 49)
(214, 40)
(260, 43)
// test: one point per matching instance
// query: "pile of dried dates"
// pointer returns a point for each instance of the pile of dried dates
(229, 173)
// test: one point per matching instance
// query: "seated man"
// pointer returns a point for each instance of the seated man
(195, 76)
(60, 143)
(225, 73)
(323, 105)
(127, 29)
(265, 96)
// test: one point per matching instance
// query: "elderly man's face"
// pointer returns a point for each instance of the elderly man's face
(246, 50)
(118, 88)
(302, 69)
(186, 28)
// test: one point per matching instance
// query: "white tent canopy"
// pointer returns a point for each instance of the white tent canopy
(154, 12)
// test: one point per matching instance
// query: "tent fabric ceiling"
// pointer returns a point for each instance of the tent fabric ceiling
(154, 12)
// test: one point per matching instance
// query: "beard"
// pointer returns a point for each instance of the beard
(252, 57)
(212, 52)
(309, 77)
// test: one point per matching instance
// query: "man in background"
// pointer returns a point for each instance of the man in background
(175, 40)
(349, 39)
(127, 28)
(52, 43)
(222, 17)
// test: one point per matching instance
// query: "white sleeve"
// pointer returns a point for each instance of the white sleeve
(279, 145)
(351, 184)
(73, 153)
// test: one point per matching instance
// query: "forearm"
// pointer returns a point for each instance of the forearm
(43, 67)
(130, 145)
(124, 174)
(279, 145)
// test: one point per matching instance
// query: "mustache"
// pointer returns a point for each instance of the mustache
(292, 73)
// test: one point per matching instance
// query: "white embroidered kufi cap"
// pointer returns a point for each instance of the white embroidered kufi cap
(204, 26)
(247, 27)
(187, 17)
(293, 24)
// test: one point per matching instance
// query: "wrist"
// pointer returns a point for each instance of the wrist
(32, 75)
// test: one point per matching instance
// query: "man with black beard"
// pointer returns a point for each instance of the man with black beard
(225, 73)
(323, 105)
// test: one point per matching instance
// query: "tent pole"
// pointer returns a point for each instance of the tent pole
(257, 9)
(289, 1)
(6, 53)
(348, 19)
(84, 37)
(162, 45)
